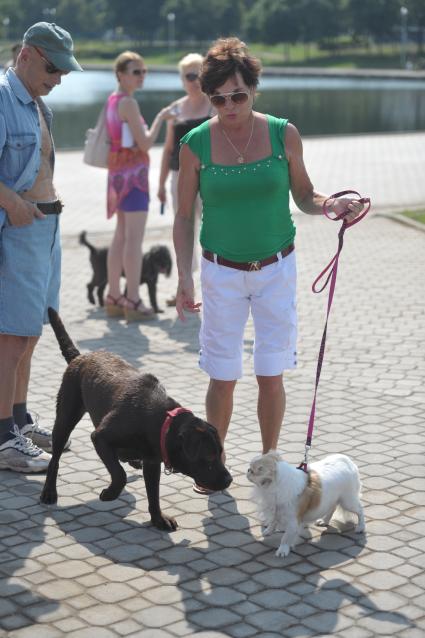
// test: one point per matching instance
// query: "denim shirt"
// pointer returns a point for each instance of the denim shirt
(20, 135)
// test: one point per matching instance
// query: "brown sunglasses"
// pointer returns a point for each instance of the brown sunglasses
(191, 77)
(50, 68)
(220, 99)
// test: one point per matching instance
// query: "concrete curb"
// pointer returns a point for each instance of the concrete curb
(402, 219)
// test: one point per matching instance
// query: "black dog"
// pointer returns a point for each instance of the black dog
(155, 262)
(129, 412)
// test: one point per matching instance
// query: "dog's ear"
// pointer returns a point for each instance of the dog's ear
(274, 455)
(191, 443)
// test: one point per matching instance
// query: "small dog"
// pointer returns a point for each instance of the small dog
(130, 413)
(155, 262)
(289, 498)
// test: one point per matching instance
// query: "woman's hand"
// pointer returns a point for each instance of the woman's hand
(352, 207)
(185, 299)
(162, 194)
(168, 112)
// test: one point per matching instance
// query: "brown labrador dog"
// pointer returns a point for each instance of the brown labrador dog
(129, 411)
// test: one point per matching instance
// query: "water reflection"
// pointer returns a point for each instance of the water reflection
(318, 106)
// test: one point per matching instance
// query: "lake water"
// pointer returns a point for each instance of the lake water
(317, 106)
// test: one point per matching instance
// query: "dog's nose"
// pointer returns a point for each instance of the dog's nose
(228, 480)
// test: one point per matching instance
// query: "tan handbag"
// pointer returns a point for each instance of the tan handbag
(97, 144)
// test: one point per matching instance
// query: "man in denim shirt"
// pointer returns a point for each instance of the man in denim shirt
(29, 234)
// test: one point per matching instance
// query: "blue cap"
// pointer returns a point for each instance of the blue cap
(56, 43)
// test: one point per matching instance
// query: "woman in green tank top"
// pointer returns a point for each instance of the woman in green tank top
(244, 164)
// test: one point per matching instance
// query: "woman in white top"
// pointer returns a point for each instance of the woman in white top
(189, 111)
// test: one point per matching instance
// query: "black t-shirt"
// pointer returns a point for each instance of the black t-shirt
(181, 127)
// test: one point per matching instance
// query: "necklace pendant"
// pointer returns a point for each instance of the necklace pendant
(240, 159)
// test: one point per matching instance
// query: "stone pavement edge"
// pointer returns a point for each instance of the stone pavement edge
(88, 568)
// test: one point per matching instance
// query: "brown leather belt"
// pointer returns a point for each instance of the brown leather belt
(248, 265)
(51, 208)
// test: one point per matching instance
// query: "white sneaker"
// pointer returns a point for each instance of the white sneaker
(38, 435)
(19, 454)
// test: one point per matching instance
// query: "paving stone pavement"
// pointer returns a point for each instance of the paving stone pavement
(88, 568)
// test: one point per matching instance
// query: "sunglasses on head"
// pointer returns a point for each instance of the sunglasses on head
(139, 71)
(220, 99)
(49, 67)
(191, 77)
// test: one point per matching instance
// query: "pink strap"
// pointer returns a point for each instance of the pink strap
(331, 270)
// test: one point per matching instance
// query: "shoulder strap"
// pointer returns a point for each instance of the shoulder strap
(206, 143)
(277, 128)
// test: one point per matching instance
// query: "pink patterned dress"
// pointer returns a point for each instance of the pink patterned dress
(128, 168)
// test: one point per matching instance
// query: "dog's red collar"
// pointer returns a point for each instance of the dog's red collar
(164, 430)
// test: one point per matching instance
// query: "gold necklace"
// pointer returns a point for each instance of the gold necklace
(240, 154)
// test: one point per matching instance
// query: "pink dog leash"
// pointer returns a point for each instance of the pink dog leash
(168, 469)
(331, 270)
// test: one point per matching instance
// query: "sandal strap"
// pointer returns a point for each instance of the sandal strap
(135, 304)
(115, 302)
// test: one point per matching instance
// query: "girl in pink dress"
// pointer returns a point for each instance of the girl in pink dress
(128, 186)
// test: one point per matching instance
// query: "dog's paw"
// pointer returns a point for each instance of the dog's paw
(49, 496)
(321, 523)
(167, 523)
(283, 550)
(110, 493)
(360, 528)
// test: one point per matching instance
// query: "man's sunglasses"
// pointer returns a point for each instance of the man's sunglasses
(50, 68)
(191, 77)
(139, 71)
(220, 99)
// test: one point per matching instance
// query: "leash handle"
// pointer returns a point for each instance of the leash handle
(335, 218)
(331, 271)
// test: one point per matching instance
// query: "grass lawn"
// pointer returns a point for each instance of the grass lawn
(417, 215)
(345, 54)
(273, 55)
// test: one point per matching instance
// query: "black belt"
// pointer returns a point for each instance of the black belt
(51, 208)
(247, 265)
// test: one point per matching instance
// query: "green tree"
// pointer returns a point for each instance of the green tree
(376, 19)
(416, 18)
(141, 20)
(273, 21)
(21, 15)
(82, 18)
(320, 19)
(205, 21)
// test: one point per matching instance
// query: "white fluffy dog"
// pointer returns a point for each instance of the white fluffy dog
(289, 498)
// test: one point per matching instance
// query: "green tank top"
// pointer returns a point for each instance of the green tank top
(245, 208)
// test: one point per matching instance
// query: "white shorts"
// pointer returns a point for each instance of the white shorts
(228, 295)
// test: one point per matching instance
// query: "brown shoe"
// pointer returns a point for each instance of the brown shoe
(114, 307)
(133, 312)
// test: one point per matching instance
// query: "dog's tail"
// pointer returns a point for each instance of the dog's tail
(68, 349)
(84, 241)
